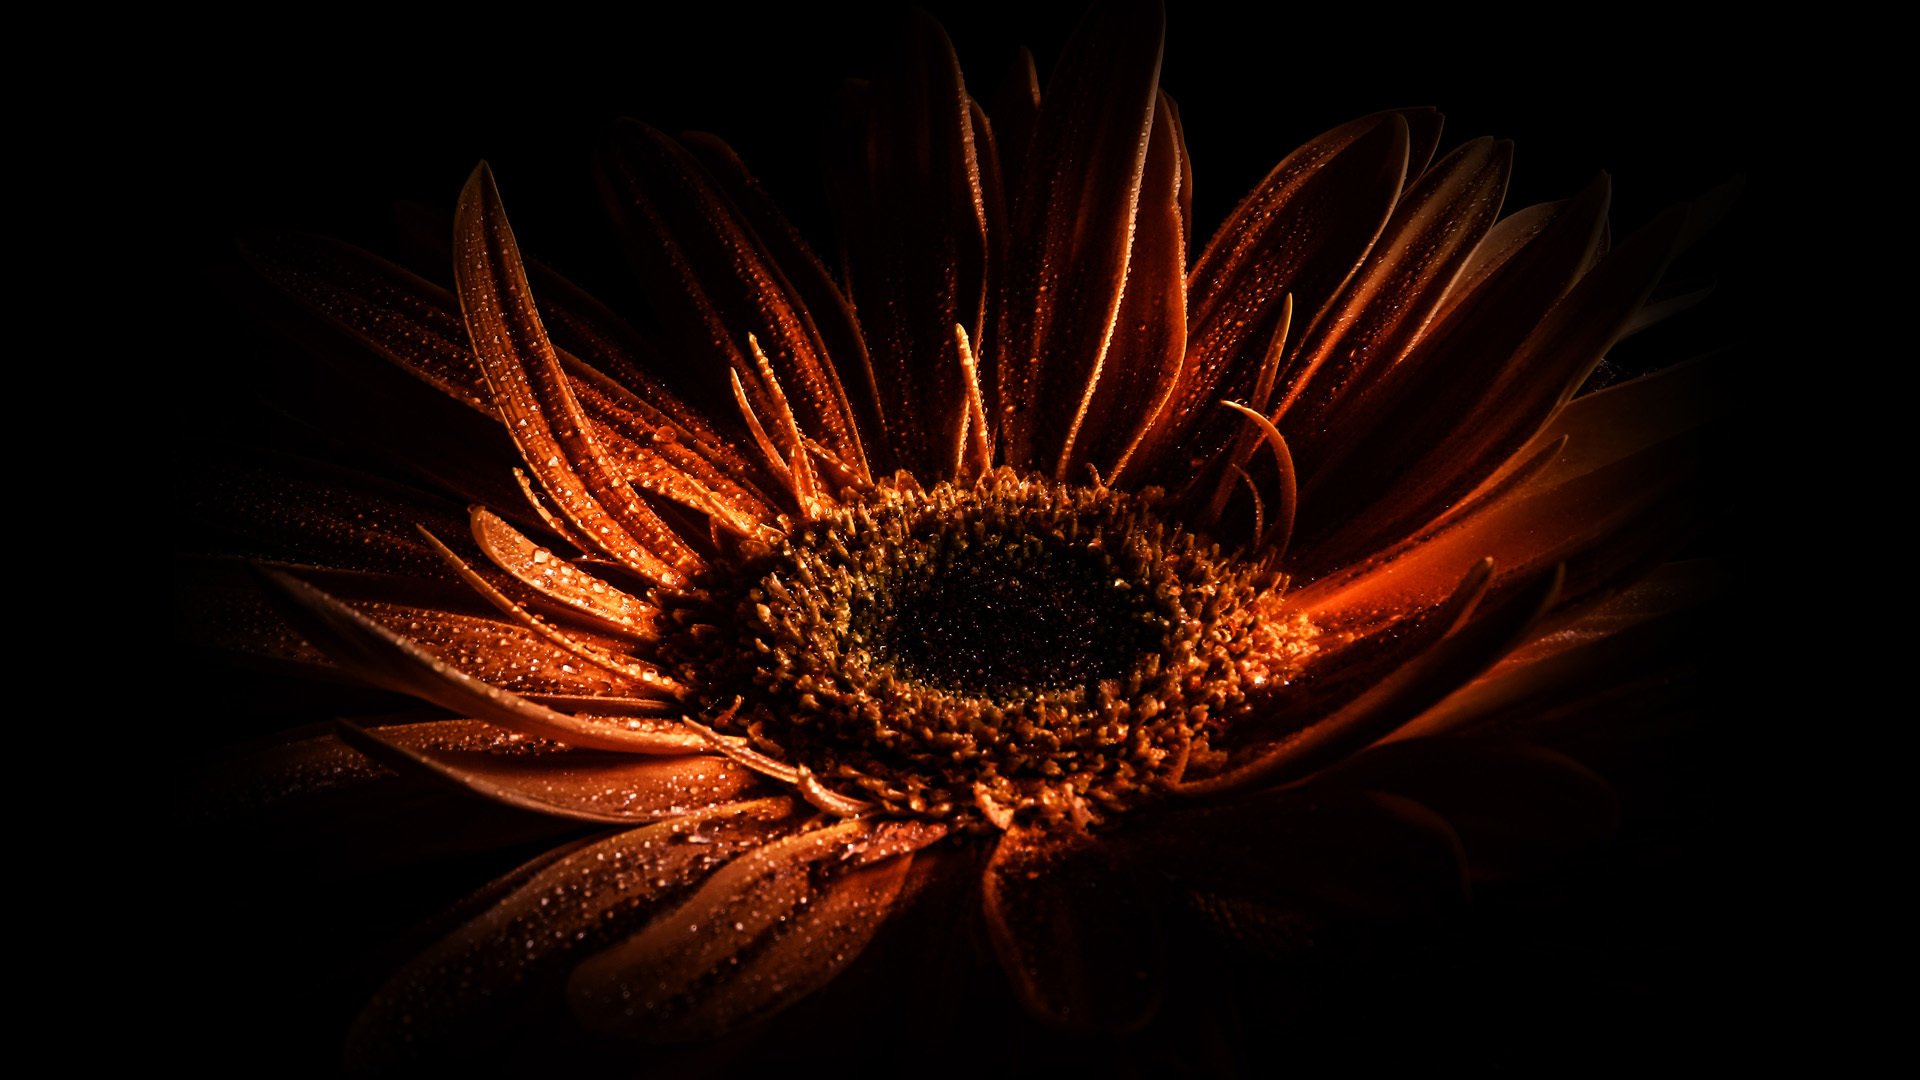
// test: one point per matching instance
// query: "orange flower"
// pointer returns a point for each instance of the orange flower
(1039, 566)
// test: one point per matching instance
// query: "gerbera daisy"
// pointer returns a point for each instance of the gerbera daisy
(1038, 563)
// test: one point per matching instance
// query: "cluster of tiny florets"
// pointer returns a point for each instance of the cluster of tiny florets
(1010, 648)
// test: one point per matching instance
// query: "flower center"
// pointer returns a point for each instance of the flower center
(1010, 649)
(1009, 618)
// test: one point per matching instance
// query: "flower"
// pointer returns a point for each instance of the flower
(1139, 707)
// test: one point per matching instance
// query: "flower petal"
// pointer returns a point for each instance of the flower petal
(1605, 524)
(715, 283)
(474, 987)
(614, 662)
(547, 778)
(233, 608)
(406, 320)
(1299, 235)
(1676, 588)
(1135, 381)
(913, 221)
(372, 652)
(1415, 685)
(262, 504)
(1081, 945)
(1423, 138)
(540, 569)
(765, 930)
(826, 303)
(1493, 402)
(1533, 698)
(536, 401)
(1074, 215)
(1627, 418)
(654, 440)
(1356, 340)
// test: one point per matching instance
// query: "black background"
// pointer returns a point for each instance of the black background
(324, 127)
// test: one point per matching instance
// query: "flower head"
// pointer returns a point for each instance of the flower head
(1039, 565)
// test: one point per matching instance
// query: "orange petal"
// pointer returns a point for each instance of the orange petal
(654, 439)
(1423, 138)
(483, 979)
(1626, 418)
(233, 608)
(384, 658)
(715, 281)
(539, 568)
(1627, 447)
(912, 211)
(1412, 687)
(1529, 695)
(1606, 525)
(1073, 224)
(585, 785)
(1297, 235)
(616, 662)
(1356, 341)
(1135, 381)
(1671, 589)
(768, 928)
(536, 401)
(262, 504)
(1490, 413)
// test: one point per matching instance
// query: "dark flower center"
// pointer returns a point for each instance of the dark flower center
(1010, 620)
(1010, 649)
